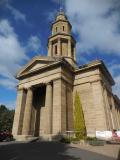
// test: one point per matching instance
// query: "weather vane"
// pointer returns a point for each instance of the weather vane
(61, 5)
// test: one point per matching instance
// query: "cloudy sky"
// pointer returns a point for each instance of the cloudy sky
(25, 27)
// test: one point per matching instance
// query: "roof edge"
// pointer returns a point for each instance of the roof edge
(102, 66)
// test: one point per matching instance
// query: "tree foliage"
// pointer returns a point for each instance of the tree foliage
(79, 122)
(6, 118)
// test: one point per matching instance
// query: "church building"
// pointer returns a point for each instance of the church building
(47, 87)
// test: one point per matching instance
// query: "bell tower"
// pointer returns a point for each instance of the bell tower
(61, 43)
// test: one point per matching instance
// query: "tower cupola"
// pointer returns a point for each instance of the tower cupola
(61, 25)
(61, 43)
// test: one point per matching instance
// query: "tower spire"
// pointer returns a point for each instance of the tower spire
(61, 6)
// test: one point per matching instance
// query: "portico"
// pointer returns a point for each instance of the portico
(38, 110)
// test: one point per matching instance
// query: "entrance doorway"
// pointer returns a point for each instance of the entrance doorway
(38, 102)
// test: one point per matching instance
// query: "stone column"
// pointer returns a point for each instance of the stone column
(108, 110)
(114, 114)
(98, 113)
(19, 112)
(59, 106)
(69, 48)
(112, 118)
(59, 47)
(74, 53)
(50, 48)
(63, 106)
(117, 115)
(28, 112)
(69, 110)
(49, 107)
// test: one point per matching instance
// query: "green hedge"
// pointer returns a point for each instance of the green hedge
(97, 143)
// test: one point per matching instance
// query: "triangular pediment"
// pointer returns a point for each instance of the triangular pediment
(35, 64)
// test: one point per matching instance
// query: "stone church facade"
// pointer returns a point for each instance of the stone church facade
(47, 86)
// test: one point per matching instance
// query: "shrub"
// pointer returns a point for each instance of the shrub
(65, 140)
(91, 138)
(79, 122)
(96, 143)
(6, 136)
(6, 119)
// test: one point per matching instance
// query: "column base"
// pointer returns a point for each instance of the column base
(44, 137)
(24, 137)
(50, 137)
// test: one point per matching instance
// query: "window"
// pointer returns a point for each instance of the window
(56, 49)
(72, 50)
(63, 28)
(56, 29)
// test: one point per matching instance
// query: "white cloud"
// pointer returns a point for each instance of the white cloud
(96, 23)
(115, 71)
(114, 68)
(9, 104)
(116, 88)
(16, 13)
(4, 2)
(8, 83)
(34, 44)
(11, 54)
(51, 16)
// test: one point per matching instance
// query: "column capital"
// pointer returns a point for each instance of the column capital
(59, 38)
(69, 40)
(20, 88)
(30, 88)
(49, 83)
(50, 43)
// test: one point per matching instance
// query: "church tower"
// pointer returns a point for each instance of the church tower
(61, 43)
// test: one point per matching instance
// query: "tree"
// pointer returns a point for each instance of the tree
(2, 109)
(6, 118)
(79, 122)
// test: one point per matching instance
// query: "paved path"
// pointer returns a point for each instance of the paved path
(110, 150)
(48, 151)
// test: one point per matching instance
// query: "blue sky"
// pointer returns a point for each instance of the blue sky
(25, 27)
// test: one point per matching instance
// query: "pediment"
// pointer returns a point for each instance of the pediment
(35, 64)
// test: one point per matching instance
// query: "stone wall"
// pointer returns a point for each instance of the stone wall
(89, 86)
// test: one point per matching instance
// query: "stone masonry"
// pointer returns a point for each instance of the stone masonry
(47, 86)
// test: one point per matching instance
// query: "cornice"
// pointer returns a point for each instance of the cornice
(97, 64)
(59, 62)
